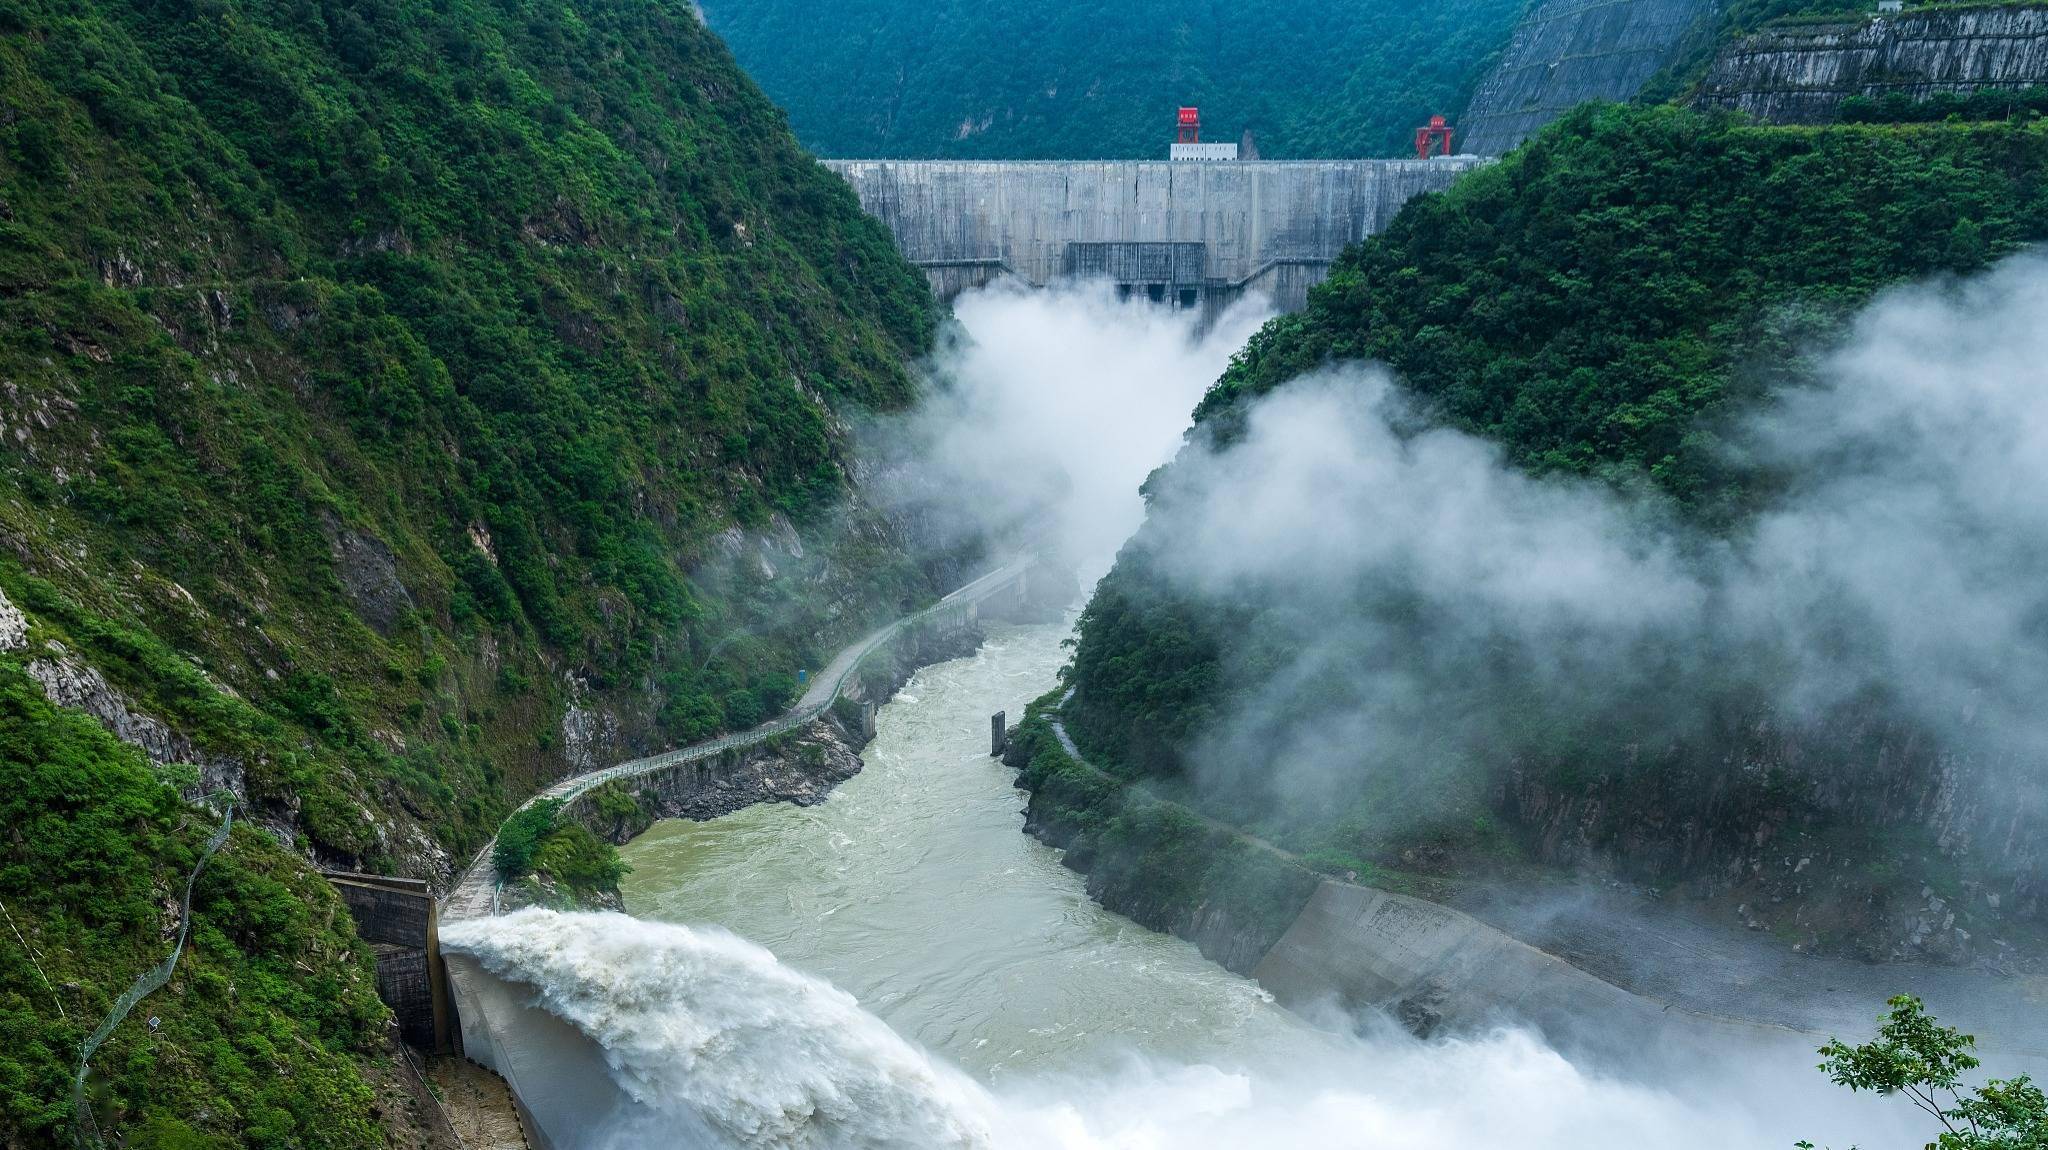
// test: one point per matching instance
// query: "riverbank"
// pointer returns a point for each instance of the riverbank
(1010, 587)
(1568, 958)
(911, 889)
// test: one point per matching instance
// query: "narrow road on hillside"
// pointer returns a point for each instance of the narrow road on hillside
(1059, 731)
(474, 895)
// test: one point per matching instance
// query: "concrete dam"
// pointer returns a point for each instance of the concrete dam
(1189, 234)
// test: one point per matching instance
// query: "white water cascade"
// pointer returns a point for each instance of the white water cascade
(708, 1042)
(715, 1041)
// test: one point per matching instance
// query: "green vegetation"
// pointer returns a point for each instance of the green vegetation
(1593, 300)
(392, 354)
(579, 860)
(536, 839)
(1915, 1056)
(1595, 303)
(540, 334)
(262, 1035)
(1983, 104)
(1073, 80)
(520, 836)
(379, 382)
(1153, 861)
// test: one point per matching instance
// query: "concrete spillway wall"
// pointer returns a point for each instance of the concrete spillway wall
(1189, 234)
(400, 921)
(1565, 52)
(1801, 74)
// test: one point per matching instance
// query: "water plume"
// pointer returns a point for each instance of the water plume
(1049, 408)
(707, 1032)
(720, 1045)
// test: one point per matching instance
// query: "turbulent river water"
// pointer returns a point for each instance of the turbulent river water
(913, 888)
(899, 966)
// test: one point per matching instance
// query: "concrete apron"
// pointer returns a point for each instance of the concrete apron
(557, 1075)
(1438, 970)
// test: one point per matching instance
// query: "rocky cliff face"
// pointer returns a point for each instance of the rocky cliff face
(1859, 835)
(1566, 52)
(1801, 74)
(801, 767)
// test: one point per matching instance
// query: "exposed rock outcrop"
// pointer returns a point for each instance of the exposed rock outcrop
(69, 683)
(590, 734)
(1566, 52)
(1802, 73)
(369, 575)
(13, 626)
(799, 767)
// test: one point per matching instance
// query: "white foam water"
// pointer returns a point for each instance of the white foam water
(717, 1044)
(709, 1035)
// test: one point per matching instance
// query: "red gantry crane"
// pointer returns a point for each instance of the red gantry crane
(1428, 138)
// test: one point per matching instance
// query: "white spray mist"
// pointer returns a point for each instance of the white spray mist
(1052, 407)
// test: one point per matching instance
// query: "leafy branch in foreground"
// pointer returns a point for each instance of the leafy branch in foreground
(1916, 1056)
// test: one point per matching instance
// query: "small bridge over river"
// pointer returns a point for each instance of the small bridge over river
(1192, 234)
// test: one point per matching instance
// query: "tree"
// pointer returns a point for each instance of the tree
(520, 838)
(1916, 1056)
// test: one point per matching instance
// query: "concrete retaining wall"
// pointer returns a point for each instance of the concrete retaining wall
(1802, 73)
(1354, 948)
(557, 1075)
(386, 910)
(399, 919)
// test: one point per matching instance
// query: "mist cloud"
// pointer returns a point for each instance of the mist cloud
(1050, 408)
(713, 1042)
(1421, 602)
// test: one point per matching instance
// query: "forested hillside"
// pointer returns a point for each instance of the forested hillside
(400, 405)
(1597, 307)
(1061, 79)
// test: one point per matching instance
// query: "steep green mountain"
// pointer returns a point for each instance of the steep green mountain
(400, 405)
(1060, 79)
(1596, 305)
(269, 1035)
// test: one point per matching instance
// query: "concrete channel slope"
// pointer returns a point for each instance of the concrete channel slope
(1597, 970)
(475, 894)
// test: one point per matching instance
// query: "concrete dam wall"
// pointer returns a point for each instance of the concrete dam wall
(400, 921)
(1801, 74)
(1566, 52)
(1183, 234)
